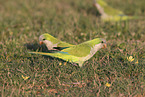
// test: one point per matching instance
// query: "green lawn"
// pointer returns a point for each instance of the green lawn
(74, 21)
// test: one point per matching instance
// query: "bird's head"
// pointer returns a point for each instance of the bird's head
(44, 38)
(103, 42)
(97, 43)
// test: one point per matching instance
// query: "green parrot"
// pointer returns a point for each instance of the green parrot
(78, 53)
(52, 43)
(110, 14)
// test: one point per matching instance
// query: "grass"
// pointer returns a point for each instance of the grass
(23, 21)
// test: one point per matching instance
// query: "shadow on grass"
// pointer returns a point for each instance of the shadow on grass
(36, 47)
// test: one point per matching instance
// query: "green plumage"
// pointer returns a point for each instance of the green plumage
(83, 47)
(78, 53)
(51, 41)
(111, 14)
(108, 9)
(61, 55)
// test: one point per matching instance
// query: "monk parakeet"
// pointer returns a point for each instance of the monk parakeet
(51, 42)
(78, 53)
(110, 14)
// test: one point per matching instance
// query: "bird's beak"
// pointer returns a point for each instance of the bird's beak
(104, 46)
(40, 42)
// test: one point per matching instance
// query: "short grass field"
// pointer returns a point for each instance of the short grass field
(116, 71)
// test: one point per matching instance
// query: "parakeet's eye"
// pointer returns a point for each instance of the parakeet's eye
(102, 41)
(44, 39)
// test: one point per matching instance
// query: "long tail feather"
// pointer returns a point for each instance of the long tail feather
(40, 53)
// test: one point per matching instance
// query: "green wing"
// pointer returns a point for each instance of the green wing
(108, 9)
(116, 18)
(56, 41)
(119, 18)
(81, 50)
(64, 44)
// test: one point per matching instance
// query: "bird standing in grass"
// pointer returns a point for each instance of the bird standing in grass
(78, 53)
(52, 43)
(110, 14)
